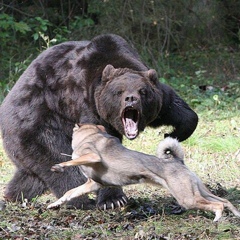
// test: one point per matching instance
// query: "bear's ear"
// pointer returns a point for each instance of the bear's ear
(107, 73)
(152, 74)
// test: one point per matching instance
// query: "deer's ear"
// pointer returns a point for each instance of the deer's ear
(102, 128)
(77, 126)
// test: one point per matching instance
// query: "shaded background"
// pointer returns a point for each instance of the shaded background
(189, 42)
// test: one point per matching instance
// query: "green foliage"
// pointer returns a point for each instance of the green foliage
(215, 98)
(182, 40)
(80, 23)
(39, 26)
(9, 24)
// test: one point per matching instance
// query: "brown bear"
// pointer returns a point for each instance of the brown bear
(102, 81)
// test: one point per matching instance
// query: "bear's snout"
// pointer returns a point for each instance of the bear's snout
(131, 100)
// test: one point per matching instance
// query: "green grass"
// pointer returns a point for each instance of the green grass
(212, 152)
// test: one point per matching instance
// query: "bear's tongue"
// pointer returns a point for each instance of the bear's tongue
(130, 122)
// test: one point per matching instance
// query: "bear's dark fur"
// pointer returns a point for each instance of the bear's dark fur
(102, 81)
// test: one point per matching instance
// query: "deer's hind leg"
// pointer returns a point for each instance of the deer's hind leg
(216, 207)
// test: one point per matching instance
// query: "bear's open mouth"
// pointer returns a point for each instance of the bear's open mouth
(130, 117)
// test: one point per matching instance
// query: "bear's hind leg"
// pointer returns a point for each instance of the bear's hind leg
(24, 185)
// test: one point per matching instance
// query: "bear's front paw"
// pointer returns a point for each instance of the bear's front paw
(57, 168)
(110, 198)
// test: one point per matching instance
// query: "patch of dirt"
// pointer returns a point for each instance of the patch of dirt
(143, 218)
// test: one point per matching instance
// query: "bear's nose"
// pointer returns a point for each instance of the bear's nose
(131, 99)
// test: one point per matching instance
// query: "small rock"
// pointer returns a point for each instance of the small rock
(140, 235)
(2, 205)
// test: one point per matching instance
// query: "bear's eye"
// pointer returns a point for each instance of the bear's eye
(119, 92)
(143, 91)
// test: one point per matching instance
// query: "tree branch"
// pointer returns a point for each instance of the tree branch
(15, 9)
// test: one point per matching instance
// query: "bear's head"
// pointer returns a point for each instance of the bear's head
(128, 100)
